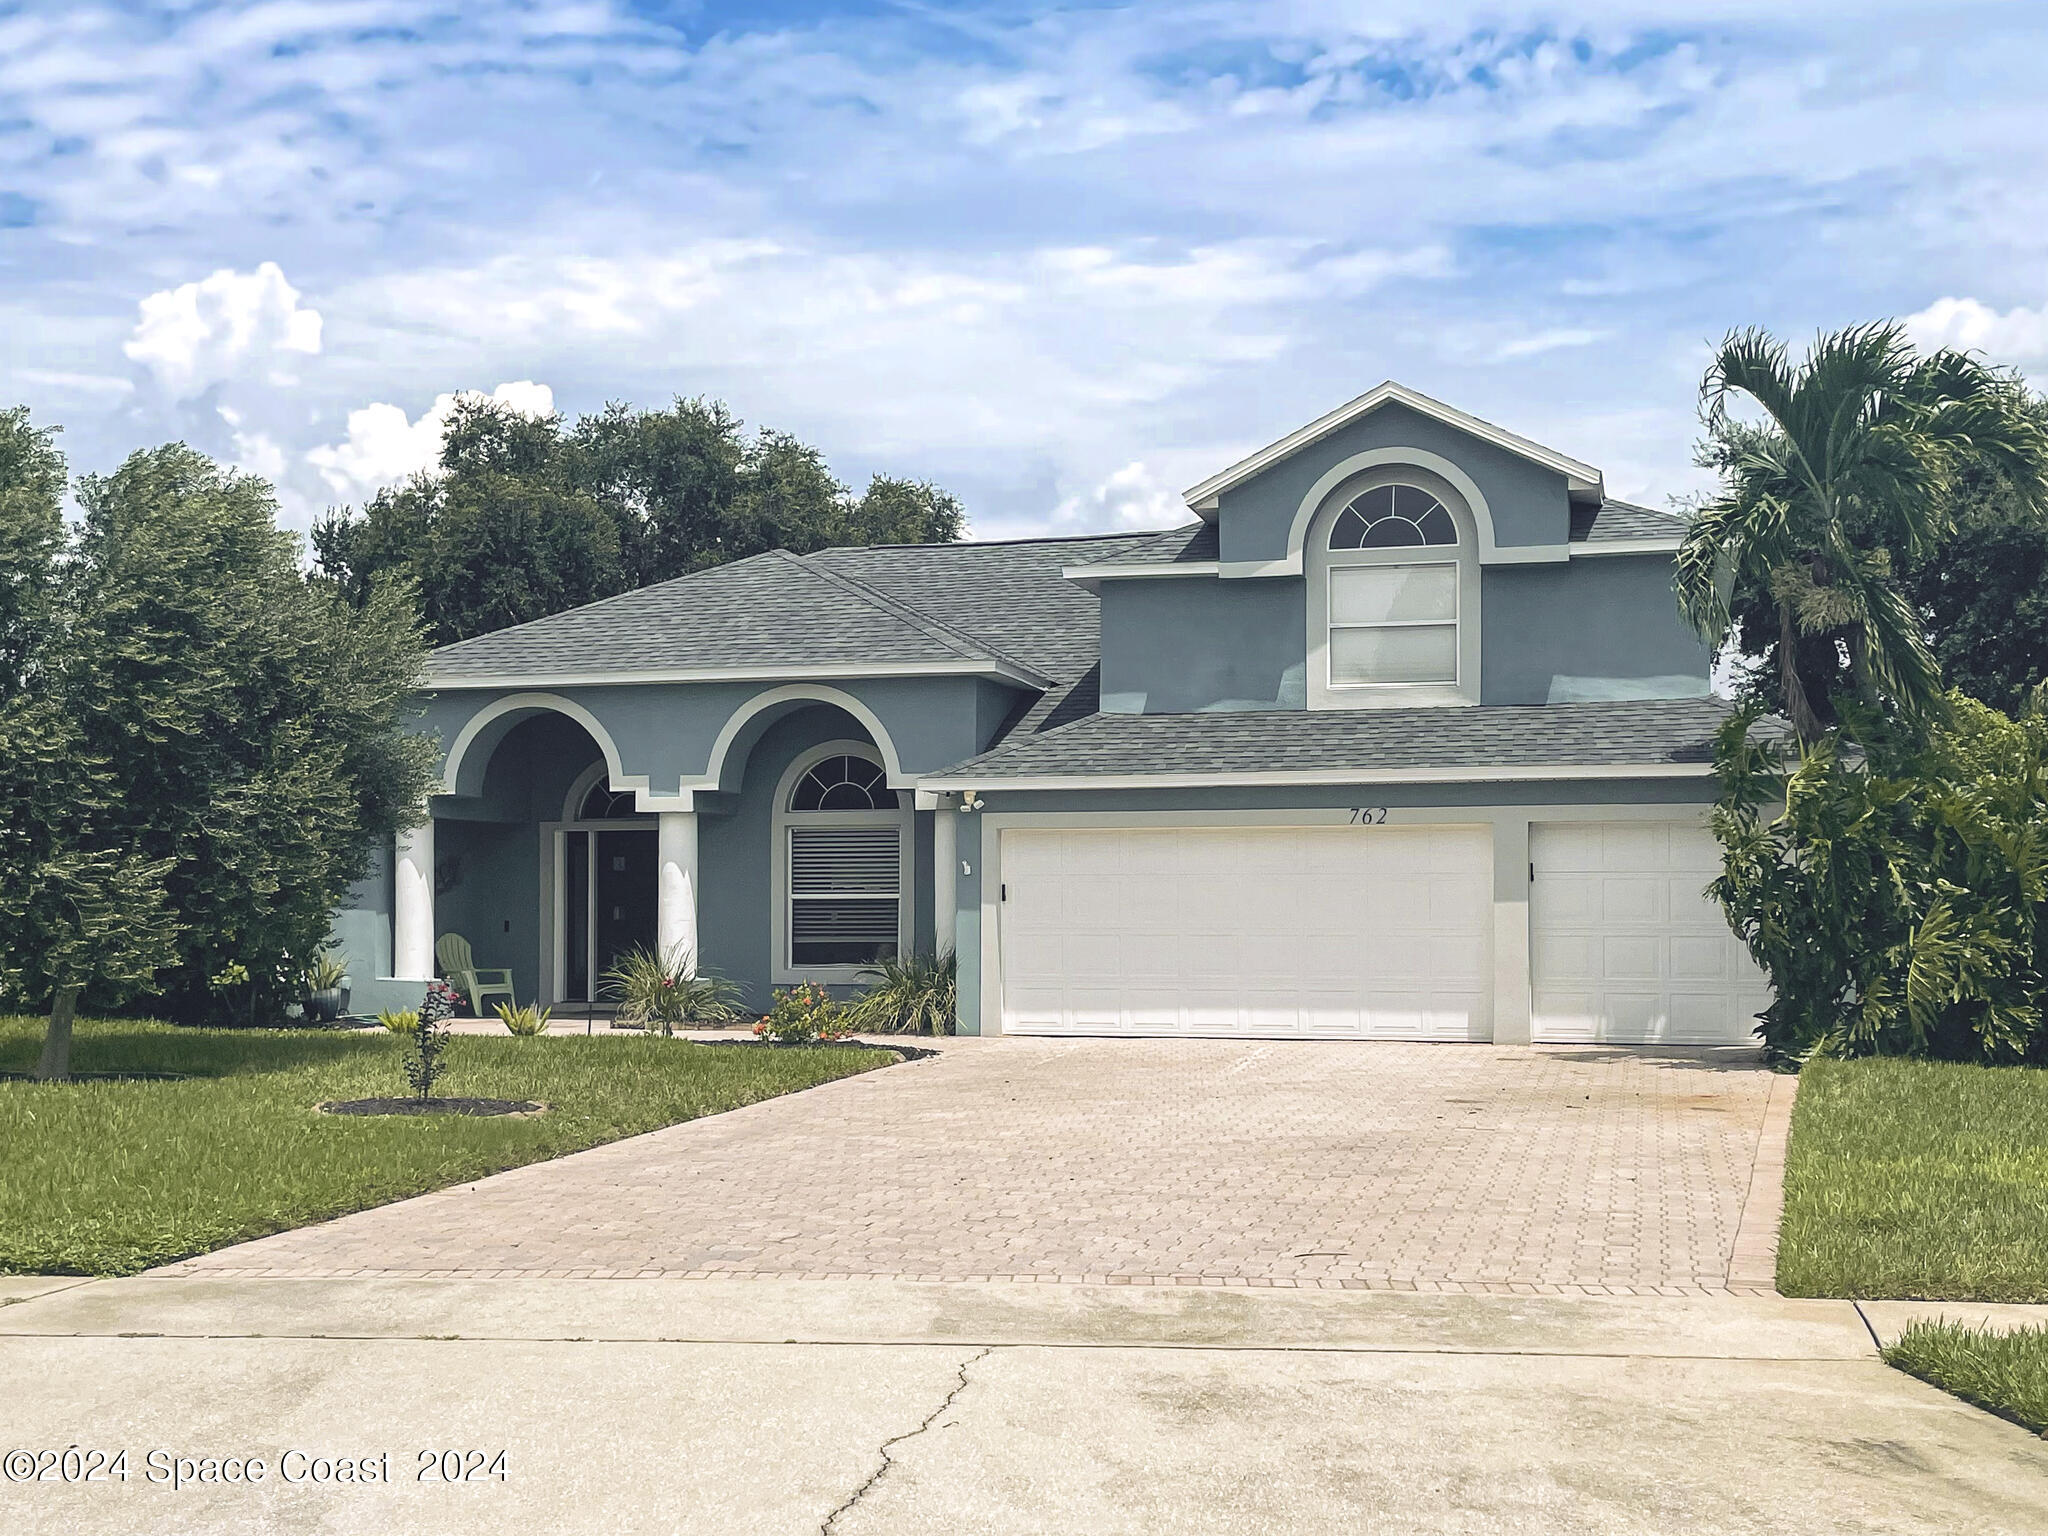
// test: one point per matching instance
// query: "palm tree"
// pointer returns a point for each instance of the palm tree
(1853, 459)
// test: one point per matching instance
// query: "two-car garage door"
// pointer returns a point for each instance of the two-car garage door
(1369, 932)
(1323, 932)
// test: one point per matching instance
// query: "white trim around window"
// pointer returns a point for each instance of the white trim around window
(1400, 608)
(859, 853)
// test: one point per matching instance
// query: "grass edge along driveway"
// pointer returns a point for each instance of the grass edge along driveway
(2003, 1371)
(113, 1177)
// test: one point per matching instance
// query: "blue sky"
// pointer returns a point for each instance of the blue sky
(1065, 260)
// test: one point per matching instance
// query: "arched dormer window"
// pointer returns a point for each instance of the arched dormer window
(843, 847)
(1394, 595)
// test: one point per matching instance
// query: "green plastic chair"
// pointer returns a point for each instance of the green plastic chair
(458, 964)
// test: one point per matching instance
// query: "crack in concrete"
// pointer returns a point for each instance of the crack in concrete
(888, 1460)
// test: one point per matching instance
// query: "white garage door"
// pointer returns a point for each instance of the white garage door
(1369, 932)
(1626, 946)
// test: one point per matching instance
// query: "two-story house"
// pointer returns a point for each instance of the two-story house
(1401, 738)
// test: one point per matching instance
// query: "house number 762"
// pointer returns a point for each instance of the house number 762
(1368, 815)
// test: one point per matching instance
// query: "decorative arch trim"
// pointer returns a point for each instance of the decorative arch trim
(817, 693)
(532, 703)
(1490, 552)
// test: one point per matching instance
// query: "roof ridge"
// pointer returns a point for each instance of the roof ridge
(934, 628)
(1041, 538)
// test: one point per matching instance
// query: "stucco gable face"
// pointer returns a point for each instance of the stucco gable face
(1522, 508)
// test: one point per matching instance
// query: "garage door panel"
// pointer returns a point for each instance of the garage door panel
(1639, 901)
(1649, 960)
(1319, 932)
(1634, 957)
(1699, 958)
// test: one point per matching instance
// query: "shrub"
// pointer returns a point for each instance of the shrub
(803, 1015)
(400, 1021)
(653, 992)
(424, 1048)
(1896, 901)
(524, 1021)
(918, 995)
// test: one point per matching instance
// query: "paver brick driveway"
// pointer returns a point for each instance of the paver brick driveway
(1146, 1161)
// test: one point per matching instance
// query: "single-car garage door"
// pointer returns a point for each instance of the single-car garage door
(1326, 932)
(1625, 945)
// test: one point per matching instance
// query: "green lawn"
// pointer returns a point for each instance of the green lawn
(2006, 1372)
(108, 1178)
(1915, 1179)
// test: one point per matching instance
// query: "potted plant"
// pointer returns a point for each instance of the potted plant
(327, 987)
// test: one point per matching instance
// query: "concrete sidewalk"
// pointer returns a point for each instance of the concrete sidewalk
(668, 1405)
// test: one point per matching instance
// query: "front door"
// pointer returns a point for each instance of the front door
(608, 905)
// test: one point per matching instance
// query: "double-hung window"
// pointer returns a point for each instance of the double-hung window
(1393, 621)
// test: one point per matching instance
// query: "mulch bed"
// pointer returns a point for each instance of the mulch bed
(435, 1106)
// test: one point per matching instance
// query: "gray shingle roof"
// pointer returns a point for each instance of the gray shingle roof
(1008, 596)
(771, 610)
(1352, 743)
(1175, 546)
(909, 603)
(1613, 520)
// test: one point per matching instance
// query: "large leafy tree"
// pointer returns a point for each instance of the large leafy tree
(525, 517)
(79, 909)
(1983, 587)
(1846, 469)
(501, 535)
(248, 719)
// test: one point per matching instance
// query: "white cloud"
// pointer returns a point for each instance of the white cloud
(1539, 342)
(200, 334)
(1131, 498)
(256, 452)
(382, 447)
(2010, 336)
(1011, 249)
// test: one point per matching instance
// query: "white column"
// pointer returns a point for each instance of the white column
(412, 905)
(945, 877)
(676, 903)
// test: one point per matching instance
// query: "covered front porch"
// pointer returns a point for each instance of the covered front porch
(810, 859)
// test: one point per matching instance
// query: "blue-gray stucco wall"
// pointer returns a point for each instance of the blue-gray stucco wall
(1180, 645)
(1562, 632)
(1592, 628)
(1530, 504)
(665, 732)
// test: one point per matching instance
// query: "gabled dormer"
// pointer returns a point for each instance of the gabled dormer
(1393, 553)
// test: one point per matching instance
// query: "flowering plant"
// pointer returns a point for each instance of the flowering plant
(441, 1002)
(802, 1015)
